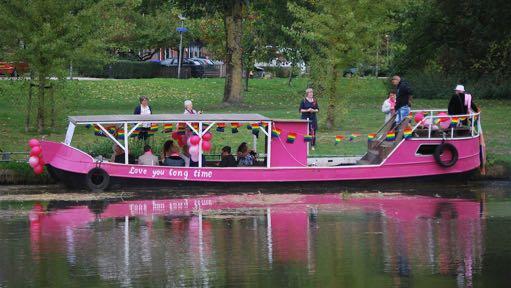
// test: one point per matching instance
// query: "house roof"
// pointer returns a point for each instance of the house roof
(167, 118)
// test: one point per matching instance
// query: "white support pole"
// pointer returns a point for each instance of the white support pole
(472, 125)
(132, 129)
(200, 144)
(126, 150)
(69, 133)
(268, 145)
(110, 136)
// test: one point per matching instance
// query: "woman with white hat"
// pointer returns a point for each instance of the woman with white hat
(461, 102)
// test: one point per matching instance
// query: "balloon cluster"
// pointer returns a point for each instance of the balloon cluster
(36, 161)
(443, 120)
(193, 144)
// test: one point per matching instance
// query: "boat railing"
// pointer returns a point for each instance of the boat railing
(433, 118)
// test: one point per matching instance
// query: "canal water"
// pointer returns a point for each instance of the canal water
(455, 238)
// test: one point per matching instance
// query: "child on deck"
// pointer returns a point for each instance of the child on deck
(388, 106)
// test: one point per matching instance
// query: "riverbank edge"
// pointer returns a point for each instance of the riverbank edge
(13, 176)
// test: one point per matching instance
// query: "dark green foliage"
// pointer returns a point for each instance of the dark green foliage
(438, 85)
(124, 69)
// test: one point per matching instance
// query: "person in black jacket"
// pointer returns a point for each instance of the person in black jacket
(227, 159)
(143, 109)
(403, 98)
(460, 102)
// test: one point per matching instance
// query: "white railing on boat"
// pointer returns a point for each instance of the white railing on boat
(431, 115)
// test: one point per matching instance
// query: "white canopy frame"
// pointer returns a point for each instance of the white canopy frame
(83, 120)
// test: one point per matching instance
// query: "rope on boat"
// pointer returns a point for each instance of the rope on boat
(290, 154)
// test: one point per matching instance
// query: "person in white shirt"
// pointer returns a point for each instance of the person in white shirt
(144, 109)
(388, 106)
(189, 108)
(148, 158)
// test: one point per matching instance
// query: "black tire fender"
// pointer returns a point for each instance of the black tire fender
(97, 180)
(439, 150)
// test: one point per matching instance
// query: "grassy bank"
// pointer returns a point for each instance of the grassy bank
(358, 110)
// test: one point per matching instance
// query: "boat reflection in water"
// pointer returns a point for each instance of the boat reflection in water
(246, 238)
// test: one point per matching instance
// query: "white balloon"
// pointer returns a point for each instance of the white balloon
(194, 158)
(33, 161)
(194, 150)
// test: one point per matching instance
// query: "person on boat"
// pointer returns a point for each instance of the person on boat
(118, 155)
(143, 109)
(388, 106)
(403, 98)
(461, 103)
(172, 157)
(185, 154)
(245, 158)
(189, 108)
(227, 158)
(148, 158)
(309, 108)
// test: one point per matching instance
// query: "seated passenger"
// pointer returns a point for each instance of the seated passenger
(173, 158)
(118, 155)
(148, 158)
(185, 154)
(227, 158)
(245, 157)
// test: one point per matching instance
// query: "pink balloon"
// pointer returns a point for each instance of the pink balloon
(35, 151)
(175, 135)
(194, 140)
(194, 150)
(445, 124)
(207, 137)
(33, 161)
(418, 117)
(41, 161)
(443, 119)
(206, 146)
(194, 158)
(33, 142)
(38, 169)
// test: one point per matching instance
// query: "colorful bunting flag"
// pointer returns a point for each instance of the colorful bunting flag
(454, 122)
(338, 139)
(167, 128)
(371, 136)
(291, 136)
(153, 129)
(181, 128)
(255, 129)
(249, 127)
(408, 133)
(391, 136)
(234, 127)
(307, 138)
(119, 135)
(275, 132)
(220, 127)
(135, 132)
(353, 136)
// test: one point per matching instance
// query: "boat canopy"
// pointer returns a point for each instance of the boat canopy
(161, 118)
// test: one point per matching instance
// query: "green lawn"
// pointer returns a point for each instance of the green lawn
(358, 110)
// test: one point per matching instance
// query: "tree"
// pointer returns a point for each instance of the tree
(335, 34)
(48, 35)
(232, 14)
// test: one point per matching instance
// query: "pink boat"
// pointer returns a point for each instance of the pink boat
(423, 149)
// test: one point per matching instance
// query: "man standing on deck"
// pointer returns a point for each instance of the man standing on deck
(403, 99)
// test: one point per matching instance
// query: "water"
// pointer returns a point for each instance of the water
(283, 240)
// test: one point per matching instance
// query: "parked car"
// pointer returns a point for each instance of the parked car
(13, 69)
(197, 68)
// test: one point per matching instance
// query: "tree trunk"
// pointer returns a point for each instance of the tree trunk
(247, 75)
(233, 32)
(52, 105)
(40, 104)
(332, 95)
(29, 103)
(290, 76)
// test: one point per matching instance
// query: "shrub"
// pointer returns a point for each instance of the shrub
(433, 85)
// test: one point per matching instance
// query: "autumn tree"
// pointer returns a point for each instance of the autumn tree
(335, 34)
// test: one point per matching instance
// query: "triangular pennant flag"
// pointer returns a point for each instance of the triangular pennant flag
(291, 136)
